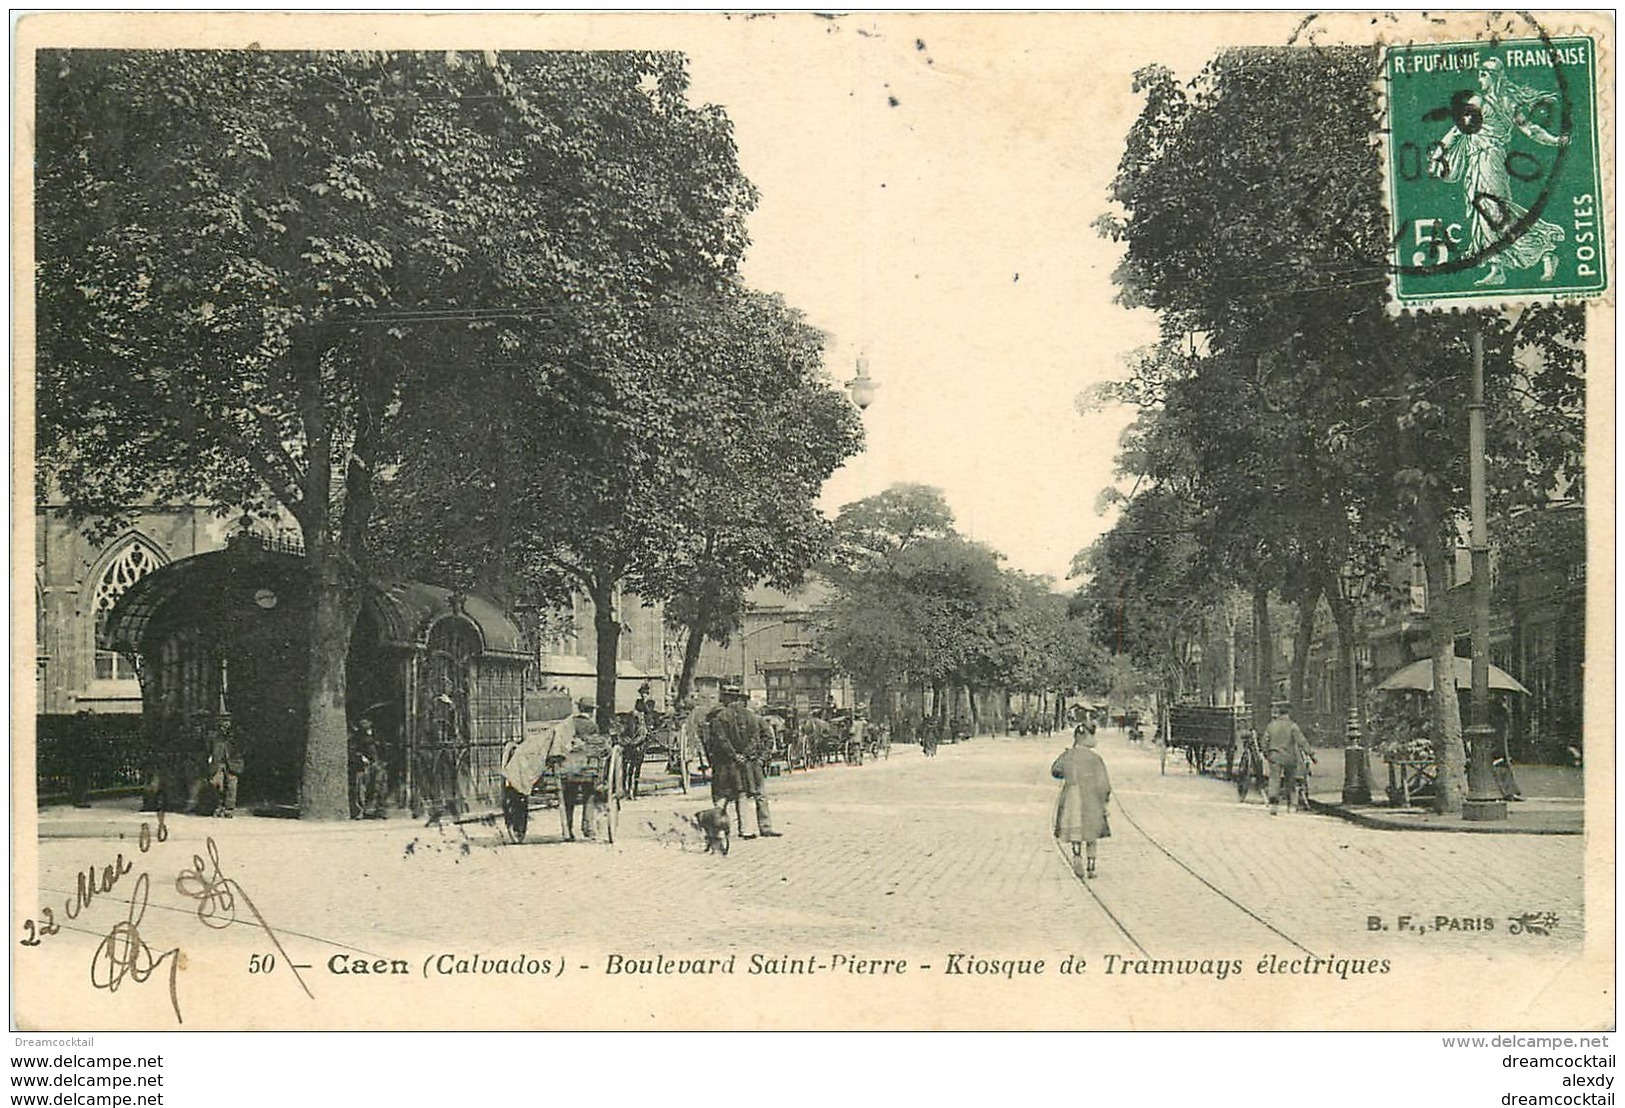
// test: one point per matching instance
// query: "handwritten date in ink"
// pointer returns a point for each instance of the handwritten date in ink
(91, 882)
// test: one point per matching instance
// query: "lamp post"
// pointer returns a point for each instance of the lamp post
(1483, 801)
(1356, 762)
(862, 386)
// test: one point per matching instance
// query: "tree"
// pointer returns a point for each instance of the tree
(1040, 646)
(685, 473)
(1252, 222)
(892, 520)
(745, 510)
(256, 270)
(916, 602)
(1146, 583)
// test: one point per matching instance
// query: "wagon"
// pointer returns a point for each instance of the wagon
(547, 791)
(536, 770)
(1203, 734)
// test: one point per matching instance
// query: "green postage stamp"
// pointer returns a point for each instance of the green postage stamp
(1494, 188)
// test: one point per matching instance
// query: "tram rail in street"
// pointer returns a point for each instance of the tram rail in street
(1090, 886)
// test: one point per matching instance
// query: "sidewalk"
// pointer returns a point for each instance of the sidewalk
(1554, 805)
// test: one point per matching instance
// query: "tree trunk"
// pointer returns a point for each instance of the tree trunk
(324, 790)
(1206, 693)
(1227, 688)
(1307, 606)
(1447, 741)
(1263, 658)
(607, 626)
(691, 661)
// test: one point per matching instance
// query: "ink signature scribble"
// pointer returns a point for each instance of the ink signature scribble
(217, 896)
(124, 954)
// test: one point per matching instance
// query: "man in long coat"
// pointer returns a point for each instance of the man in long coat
(580, 782)
(720, 735)
(1080, 810)
(747, 736)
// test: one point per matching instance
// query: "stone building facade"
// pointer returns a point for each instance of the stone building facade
(76, 582)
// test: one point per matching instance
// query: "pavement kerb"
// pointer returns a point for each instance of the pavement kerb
(102, 825)
(104, 820)
(1366, 818)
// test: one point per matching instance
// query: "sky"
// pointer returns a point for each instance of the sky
(929, 186)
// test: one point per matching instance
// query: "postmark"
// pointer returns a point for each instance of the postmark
(1492, 172)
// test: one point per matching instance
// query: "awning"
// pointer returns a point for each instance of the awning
(1418, 677)
(191, 585)
(223, 579)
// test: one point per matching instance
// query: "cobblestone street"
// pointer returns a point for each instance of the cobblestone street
(910, 858)
(913, 853)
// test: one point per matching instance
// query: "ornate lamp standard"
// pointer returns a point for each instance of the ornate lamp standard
(862, 387)
(1356, 762)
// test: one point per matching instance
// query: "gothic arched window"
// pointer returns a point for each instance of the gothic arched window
(132, 561)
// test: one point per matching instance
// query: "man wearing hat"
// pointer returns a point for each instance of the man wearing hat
(1288, 751)
(580, 782)
(370, 773)
(741, 735)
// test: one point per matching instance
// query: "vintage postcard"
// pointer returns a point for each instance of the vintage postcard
(813, 520)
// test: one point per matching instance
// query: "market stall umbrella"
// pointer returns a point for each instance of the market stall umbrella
(1418, 677)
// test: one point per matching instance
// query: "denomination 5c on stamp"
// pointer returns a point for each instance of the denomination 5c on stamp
(1494, 187)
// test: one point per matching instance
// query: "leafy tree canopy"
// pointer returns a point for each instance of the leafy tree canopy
(261, 274)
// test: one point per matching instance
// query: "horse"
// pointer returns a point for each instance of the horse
(633, 734)
(822, 741)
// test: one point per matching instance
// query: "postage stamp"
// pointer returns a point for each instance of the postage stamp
(1492, 171)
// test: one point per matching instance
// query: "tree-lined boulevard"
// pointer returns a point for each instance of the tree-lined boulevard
(474, 319)
(910, 858)
(399, 412)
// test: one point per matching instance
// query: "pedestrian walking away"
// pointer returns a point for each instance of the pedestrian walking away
(724, 762)
(930, 734)
(1080, 810)
(1287, 751)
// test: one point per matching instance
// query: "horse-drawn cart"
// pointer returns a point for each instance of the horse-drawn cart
(549, 766)
(1204, 734)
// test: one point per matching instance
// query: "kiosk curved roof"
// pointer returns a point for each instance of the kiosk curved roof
(403, 611)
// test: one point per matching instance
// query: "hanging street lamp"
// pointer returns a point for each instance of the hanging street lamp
(862, 387)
